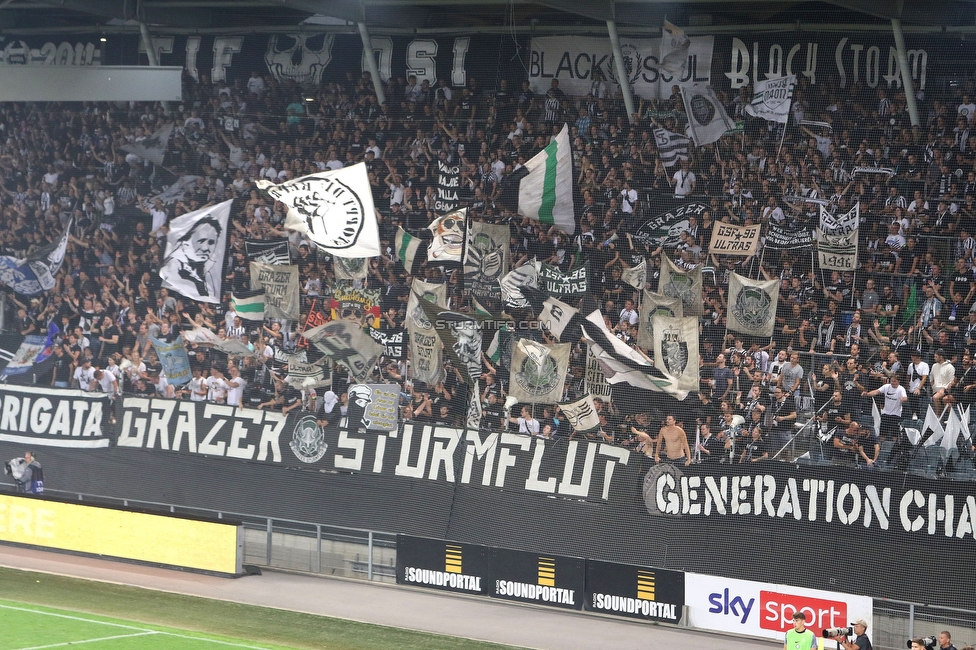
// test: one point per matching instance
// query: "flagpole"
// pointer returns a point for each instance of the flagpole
(781, 138)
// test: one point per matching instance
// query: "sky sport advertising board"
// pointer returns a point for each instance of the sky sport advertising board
(766, 610)
(449, 566)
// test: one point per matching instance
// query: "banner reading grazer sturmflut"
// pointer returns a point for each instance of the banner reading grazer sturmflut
(729, 239)
(280, 284)
(44, 417)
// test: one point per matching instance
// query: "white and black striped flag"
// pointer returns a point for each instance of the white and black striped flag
(671, 147)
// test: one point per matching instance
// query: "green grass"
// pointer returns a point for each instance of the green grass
(41, 610)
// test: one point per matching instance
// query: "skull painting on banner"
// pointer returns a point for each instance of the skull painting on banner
(301, 58)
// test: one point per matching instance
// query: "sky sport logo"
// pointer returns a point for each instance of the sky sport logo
(643, 605)
(451, 577)
(546, 589)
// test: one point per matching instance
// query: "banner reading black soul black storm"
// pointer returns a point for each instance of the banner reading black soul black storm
(637, 592)
(553, 580)
(443, 565)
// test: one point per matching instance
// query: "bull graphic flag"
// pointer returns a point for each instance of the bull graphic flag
(447, 244)
(460, 336)
(280, 284)
(636, 276)
(772, 98)
(655, 304)
(707, 119)
(425, 345)
(274, 251)
(511, 283)
(195, 246)
(344, 342)
(408, 250)
(684, 285)
(249, 305)
(621, 363)
(35, 273)
(671, 147)
(676, 349)
(752, 305)
(581, 414)
(546, 192)
(486, 259)
(333, 209)
(152, 148)
(538, 371)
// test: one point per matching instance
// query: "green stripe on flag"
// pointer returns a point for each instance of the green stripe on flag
(404, 245)
(549, 185)
(249, 307)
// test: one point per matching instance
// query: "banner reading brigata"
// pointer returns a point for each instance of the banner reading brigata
(34, 416)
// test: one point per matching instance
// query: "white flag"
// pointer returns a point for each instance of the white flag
(526, 275)
(546, 193)
(684, 285)
(676, 349)
(932, 424)
(671, 147)
(426, 347)
(952, 430)
(194, 258)
(772, 98)
(636, 276)
(555, 317)
(655, 303)
(152, 148)
(707, 119)
(752, 305)
(334, 209)
(676, 43)
(537, 377)
(581, 414)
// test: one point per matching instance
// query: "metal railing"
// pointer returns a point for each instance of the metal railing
(896, 621)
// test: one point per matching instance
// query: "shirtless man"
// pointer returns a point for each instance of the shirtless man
(675, 441)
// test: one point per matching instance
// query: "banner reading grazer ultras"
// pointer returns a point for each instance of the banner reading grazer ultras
(637, 592)
(443, 565)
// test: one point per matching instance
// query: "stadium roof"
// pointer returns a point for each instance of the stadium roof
(419, 16)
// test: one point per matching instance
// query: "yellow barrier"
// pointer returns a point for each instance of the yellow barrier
(156, 539)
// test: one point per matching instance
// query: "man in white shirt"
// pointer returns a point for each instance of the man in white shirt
(628, 199)
(85, 375)
(162, 386)
(942, 375)
(895, 396)
(684, 180)
(216, 387)
(255, 84)
(235, 387)
(772, 212)
(196, 387)
(918, 375)
(526, 423)
(628, 313)
(967, 108)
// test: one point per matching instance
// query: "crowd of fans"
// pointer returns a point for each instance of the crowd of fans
(909, 304)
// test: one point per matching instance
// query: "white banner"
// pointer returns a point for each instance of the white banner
(772, 98)
(280, 284)
(333, 209)
(837, 252)
(752, 305)
(766, 610)
(573, 60)
(426, 346)
(194, 257)
(676, 349)
(729, 239)
(538, 371)
(841, 224)
(685, 285)
(655, 304)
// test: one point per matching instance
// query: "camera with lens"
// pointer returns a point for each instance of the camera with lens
(927, 641)
(840, 631)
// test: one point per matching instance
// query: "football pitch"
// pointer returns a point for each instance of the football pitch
(45, 611)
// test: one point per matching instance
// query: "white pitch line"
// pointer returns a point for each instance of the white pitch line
(104, 638)
(128, 627)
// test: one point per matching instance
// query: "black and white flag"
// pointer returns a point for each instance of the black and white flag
(35, 273)
(486, 259)
(787, 239)
(195, 247)
(526, 275)
(655, 304)
(581, 414)
(752, 305)
(707, 119)
(448, 184)
(272, 251)
(344, 342)
(676, 349)
(671, 147)
(333, 209)
(538, 371)
(152, 148)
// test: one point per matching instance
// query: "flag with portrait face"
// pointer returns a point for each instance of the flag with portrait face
(194, 260)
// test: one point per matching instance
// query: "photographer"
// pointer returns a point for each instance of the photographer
(27, 474)
(861, 640)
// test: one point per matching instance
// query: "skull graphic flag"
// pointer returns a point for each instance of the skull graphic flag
(538, 371)
(334, 210)
(448, 242)
(486, 259)
(676, 349)
(752, 305)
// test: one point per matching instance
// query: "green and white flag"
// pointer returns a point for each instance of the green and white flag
(249, 305)
(655, 304)
(538, 371)
(546, 193)
(406, 249)
(752, 305)
(676, 350)
(686, 285)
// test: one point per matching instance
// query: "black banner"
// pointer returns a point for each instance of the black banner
(268, 251)
(543, 579)
(437, 564)
(633, 591)
(448, 184)
(779, 239)
(393, 342)
(37, 417)
(672, 219)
